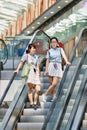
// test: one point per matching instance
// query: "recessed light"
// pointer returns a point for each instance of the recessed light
(32, 27)
(38, 22)
(45, 17)
(51, 12)
(28, 32)
(66, 1)
(59, 7)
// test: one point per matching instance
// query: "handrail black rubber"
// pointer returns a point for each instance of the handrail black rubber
(72, 55)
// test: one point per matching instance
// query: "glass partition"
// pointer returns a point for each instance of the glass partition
(16, 47)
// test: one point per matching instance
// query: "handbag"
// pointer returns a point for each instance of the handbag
(26, 69)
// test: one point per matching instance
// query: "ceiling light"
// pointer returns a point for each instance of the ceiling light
(38, 22)
(28, 32)
(66, 1)
(59, 7)
(45, 17)
(32, 27)
(51, 12)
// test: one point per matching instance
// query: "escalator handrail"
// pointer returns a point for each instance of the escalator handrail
(69, 92)
(14, 74)
(76, 44)
(13, 107)
(80, 93)
(72, 55)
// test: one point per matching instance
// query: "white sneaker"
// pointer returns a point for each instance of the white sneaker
(54, 98)
(43, 98)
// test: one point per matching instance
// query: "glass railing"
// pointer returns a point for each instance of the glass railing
(16, 47)
(68, 32)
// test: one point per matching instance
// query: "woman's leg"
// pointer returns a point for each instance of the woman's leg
(52, 87)
(36, 96)
(50, 80)
(30, 93)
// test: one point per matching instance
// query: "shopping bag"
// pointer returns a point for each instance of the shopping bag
(25, 70)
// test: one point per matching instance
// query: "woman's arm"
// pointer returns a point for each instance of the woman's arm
(38, 70)
(47, 64)
(66, 60)
(19, 66)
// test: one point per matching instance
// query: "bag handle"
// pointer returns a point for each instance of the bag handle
(27, 59)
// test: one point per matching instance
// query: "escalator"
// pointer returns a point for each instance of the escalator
(60, 116)
(20, 117)
(8, 118)
(80, 120)
(83, 125)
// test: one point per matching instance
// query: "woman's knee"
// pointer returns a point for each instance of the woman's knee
(30, 86)
(38, 89)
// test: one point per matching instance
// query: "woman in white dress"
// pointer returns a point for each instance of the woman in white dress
(33, 79)
(53, 67)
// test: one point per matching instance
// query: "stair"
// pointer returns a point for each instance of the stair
(73, 97)
(84, 121)
(34, 119)
(3, 111)
(62, 97)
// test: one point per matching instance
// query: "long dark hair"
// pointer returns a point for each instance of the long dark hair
(29, 47)
(53, 38)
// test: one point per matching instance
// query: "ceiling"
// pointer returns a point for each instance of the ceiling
(10, 10)
(45, 18)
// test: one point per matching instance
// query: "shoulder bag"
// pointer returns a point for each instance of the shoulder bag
(26, 69)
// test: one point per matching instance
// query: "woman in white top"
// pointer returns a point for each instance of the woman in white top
(53, 67)
(33, 79)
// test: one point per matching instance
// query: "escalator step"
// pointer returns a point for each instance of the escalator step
(84, 123)
(35, 112)
(80, 77)
(85, 116)
(69, 109)
(66, 116)
(48, 98)
(42, 104)
(33, 119)
(0, 123)
(44, 85)
(46, 104)
(3, 111)
(44, 80)
(29, 126)
(83, 128)
(71, 102)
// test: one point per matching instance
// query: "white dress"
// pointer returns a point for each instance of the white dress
(33, 76)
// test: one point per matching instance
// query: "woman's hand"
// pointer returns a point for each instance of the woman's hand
(68, 63)
(46, 72)
(16, 71)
